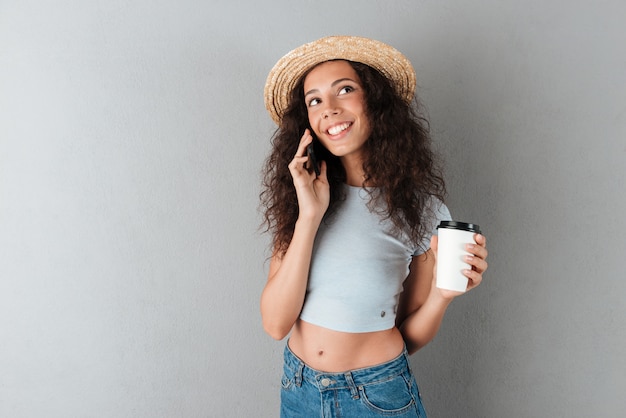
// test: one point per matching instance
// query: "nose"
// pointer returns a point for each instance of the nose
(329, 112)
(330, 109)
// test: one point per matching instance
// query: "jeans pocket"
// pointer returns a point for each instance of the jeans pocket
(286, 382)
(288, 378)
(388, 397)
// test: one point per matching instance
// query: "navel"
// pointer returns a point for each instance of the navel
(320, 353)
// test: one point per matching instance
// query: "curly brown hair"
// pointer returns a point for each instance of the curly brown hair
(398, 160)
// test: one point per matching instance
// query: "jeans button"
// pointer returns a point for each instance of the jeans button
(325, 382)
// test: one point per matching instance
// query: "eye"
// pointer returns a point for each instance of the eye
(313, 102)
(346, 89)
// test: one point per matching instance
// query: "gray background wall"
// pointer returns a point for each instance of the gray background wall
(131, 139)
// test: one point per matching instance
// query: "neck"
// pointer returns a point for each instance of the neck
(354, 171)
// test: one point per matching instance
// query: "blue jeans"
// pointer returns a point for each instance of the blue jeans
(388, 389)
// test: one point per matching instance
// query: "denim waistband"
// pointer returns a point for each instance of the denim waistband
(350, 379)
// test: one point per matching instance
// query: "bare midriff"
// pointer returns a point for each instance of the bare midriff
(333, 351)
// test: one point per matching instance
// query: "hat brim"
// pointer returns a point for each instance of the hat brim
(283, 77)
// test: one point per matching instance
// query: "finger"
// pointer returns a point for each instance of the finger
(474, 277)
(297, 168)
(478, 264)
(305, 140)
(477, 250)
(298, 162)
(480, 240)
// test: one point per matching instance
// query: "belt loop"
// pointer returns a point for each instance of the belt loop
(298, 376)
(353, 389)
(407, 359)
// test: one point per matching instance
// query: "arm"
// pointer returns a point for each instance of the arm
(421, 309)
(283, 295)
(422, 305)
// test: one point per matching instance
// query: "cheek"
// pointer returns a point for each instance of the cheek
(313, 124)
(367, 128)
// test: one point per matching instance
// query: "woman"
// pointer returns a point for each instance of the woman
(351, 277)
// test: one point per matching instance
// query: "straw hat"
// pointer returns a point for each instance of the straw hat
(289, 69)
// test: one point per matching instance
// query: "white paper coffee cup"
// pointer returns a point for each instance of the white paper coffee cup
(453, 236)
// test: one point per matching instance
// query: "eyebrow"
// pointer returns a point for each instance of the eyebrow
(334, 83)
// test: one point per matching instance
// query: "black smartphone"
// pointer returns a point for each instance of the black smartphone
(312, 159)
(310, 152)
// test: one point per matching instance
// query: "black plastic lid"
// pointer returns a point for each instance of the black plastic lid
(459, 225)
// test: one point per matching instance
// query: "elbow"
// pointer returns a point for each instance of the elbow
(278, 336)
(275, 324)
(275, 331)
(275, 328)
(412, 342)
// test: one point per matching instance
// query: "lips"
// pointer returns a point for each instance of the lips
(338, 128)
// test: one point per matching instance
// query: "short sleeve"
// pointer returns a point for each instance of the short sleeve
(438, 212)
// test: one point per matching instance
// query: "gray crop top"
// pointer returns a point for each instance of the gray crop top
(358, 267)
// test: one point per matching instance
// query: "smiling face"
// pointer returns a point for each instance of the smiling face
(335, 103)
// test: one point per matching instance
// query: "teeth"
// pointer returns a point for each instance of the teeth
(336, 129)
